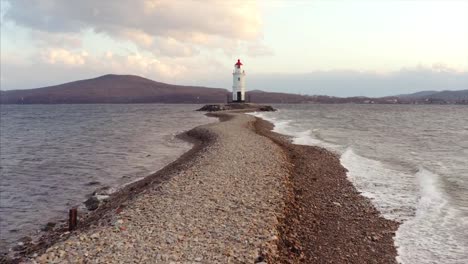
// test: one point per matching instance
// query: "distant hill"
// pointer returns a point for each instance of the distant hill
(417, 94)
(134, 89)
(258, 96)
(437, 96)
(114, 89)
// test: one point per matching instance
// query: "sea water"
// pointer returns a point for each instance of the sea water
(410, 160)
(53, 156)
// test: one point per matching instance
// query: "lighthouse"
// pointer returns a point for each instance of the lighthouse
(238, 83)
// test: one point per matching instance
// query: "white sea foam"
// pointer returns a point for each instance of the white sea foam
(437, 233)
(390, 190)
(432, 231)
(299, 136)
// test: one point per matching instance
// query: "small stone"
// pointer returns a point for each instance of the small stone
(169, 240)
(49, 226)
(273, 238)
(42, 258)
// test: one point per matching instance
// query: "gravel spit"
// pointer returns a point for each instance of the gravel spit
(223, 208)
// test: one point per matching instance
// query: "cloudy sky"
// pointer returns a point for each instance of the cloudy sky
(347, 47)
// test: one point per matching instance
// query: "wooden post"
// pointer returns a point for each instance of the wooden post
(72, 219)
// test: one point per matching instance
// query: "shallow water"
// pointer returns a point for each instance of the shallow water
(52, 156)
(410, 160)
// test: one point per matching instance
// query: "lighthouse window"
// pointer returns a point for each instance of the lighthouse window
(238, 78)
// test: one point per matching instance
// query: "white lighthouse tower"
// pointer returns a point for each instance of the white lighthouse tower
(238, 83)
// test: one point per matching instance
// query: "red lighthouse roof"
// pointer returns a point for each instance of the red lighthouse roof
(238, 64)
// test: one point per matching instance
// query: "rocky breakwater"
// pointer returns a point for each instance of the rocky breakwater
(221, 206)
(236, 106)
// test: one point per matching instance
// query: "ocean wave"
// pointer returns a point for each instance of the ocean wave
(437, 233)
(434, 229)
(390, 190)
(299, 136)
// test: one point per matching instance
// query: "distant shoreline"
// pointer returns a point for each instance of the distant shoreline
(323, 215)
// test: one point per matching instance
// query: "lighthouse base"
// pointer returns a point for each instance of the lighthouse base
(236, 106)
(239, 98)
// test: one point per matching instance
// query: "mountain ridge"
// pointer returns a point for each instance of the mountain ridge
(113, 88)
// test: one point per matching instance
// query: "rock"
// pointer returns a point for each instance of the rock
(26, 239)
(105, 190)
(212, 108)
(91, 183)
(234, 106)
(260, 259)
(169, 240)
(42, 258)
(267, 108)
(92, 203)
(49, 226)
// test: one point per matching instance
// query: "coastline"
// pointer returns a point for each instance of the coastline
(286, 216)
(326, 219)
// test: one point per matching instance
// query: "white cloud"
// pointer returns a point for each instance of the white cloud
(166, 40)
(259, 49)
(59, 40)
(58, 65)
(139, 37)
(190, 23)
(173, 48)
(65, 57)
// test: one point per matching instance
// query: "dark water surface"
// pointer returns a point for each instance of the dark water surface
(410, 160)
(52, 156)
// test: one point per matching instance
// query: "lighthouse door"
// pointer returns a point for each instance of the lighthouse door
(239, 97)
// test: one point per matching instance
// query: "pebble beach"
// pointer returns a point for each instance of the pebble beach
(243, 194)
